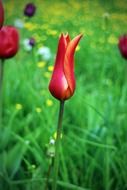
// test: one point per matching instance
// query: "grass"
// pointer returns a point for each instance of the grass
(94, 141)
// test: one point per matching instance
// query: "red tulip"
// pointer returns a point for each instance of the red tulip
(123, 46)
(9, 42)
(62, 84)
(1, 14)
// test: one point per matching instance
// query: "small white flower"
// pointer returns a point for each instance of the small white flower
(106, 15)
(19, 23)
(52, 141)
(27, 45)
(45, 53)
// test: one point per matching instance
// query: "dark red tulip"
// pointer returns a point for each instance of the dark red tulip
(29, 10)
(1, 14)
(62, 84)
(123, 45)
(9, 42)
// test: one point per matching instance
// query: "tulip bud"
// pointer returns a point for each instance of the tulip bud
(62, 84)
(29, 10)
(1, 14)
(123, 46)
(9, 42)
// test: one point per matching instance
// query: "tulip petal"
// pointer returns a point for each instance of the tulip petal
(69, 62)
(123, 46)
(62, 83)
(60, 52)
(9, 39)
(58, 84)
(67, 38)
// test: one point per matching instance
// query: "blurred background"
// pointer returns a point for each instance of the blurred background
(94, 138)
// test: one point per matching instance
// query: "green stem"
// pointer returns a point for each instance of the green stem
(1, 81)
(1, 74)
(57, 144)
(48, 174)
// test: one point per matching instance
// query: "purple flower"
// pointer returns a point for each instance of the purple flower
(123, 45)
(28, 44)
(29, 10)
(32, 42)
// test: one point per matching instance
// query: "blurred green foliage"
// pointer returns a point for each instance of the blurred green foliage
(94, 139)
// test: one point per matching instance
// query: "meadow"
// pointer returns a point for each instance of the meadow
(93, 151)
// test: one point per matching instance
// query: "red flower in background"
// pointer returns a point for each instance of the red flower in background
(1, 14)
(62, 84)
(9, 42)
(123, 46)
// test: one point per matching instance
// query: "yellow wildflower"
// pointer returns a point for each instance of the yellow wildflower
(38, 110)
(41, 64)
(49, 102)
(30, 26)
(18, 106)
(112, 40)
(50, 68)
(52, 32)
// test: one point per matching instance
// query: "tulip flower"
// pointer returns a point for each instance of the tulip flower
(1, 14)
(123, 46)
(9, 42)
(29, 10)
(62, 84)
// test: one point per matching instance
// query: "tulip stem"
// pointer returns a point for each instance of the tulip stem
(1, 81)
(57, 144)
(48, 173)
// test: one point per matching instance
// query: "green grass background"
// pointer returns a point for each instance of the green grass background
(94, 138)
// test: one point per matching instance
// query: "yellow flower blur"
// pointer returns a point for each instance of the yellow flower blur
(49, 102)
(18, 106)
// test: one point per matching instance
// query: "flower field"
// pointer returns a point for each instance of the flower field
(93, 144)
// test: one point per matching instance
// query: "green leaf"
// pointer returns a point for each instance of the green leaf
(14, 158)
